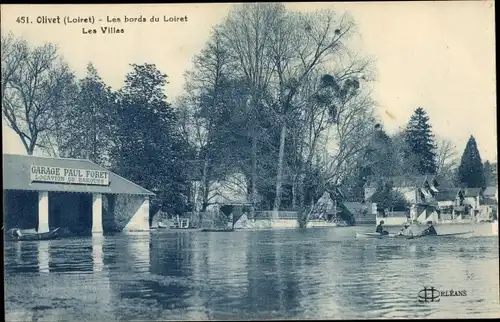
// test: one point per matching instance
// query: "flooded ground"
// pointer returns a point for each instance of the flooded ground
(274, 274)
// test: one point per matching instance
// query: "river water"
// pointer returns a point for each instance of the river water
(271, 274)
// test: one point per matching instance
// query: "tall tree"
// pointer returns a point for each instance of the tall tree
(36, 87)
(89, 124)
(277, 53)
(215, 114)
(247, 34)
(149, 149)
(420, 142)
(470, 171)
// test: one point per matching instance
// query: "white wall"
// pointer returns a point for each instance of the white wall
(392, 221)
(140, 218)
(474, 202)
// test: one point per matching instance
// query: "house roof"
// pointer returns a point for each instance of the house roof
(355, 207)
(447, 194)
(405, 181)
(490, 191)
(472, 192)
(16, 176)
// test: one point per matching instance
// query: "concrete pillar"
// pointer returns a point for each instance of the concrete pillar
(43, 211)
(96, 213)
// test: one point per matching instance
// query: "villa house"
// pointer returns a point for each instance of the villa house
(451, 197)
(415, 189)
(491, 193)
(419, 191)
(488, 207)
(473, 198)
(450, 203)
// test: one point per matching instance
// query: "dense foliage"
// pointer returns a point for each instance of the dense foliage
(470, 171)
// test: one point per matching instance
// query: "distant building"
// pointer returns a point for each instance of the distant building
(363, 213)
(491, 193)
(452, 197)
(473, 198)
(415, 189)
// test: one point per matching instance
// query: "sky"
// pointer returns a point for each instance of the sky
(435, 55)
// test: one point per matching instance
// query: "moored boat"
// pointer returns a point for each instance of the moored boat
(161, 226)
(32, 234)
(216, 230)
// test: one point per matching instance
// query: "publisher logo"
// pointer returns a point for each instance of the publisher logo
(429, 294)
(432, 294)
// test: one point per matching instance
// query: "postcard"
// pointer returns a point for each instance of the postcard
(230, 161)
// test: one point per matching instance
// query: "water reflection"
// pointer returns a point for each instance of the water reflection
(43, 256)
(97, 252)
(296, 274)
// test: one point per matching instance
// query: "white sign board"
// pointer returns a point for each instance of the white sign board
(69, 175)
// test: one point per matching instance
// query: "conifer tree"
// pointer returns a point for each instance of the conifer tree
(419, 142)
(470, 171)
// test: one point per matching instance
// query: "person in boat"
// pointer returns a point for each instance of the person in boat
(430, 230)
(380, 229)
(406, 231)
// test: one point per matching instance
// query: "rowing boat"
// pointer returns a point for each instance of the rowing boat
(377, 235)
(31, 234)
(450, 235)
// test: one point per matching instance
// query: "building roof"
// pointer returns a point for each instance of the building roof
(355, 207)
(16, 176)
(472, 192)
(447, 194)
(490, 191)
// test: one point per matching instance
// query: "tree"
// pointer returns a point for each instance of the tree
(419, 142)
(490, 173)
(89, 124)
(388, 198)
(303, 43)
(37, 86)
(215, 115)
(149, 149)
(470, 171)
(446, 159)
(278, 52)
(247, 35)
